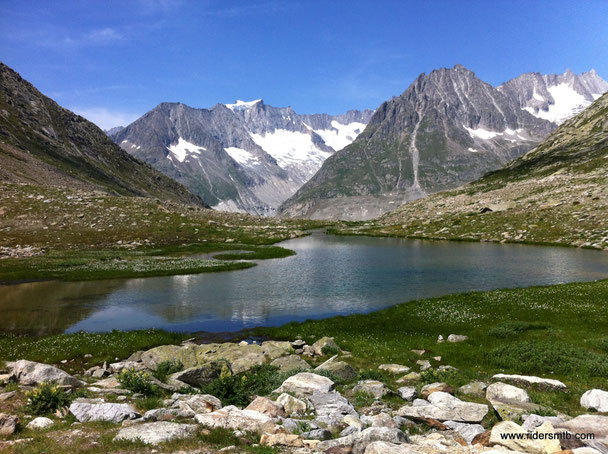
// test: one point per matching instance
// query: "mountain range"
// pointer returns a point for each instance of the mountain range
(448, 128)
(246, 156)
(43, 143)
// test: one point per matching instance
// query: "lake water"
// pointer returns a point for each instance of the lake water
(330, 275)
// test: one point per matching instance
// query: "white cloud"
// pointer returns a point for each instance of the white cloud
(105, 118)
(103, 35)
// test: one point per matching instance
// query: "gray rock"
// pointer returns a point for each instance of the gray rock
(477, 388)
(159, 414)
(445, 407)
(468, 431)
(394, 368)
(305, 383)
(8, 424)
(291, 362)
(547, 384)
(276, 349)
(199, 403)
(40, 423)
(331, 407)
(533, 421)
(292, 405)
(373, 387)
(232, 418)
(408, 393)
(595, 424)
(424, 364)
(317, 434)
(85, 412)
(200, 375)
(324, 342)
(340, 369)
(153, 433)
(32, 373)
(503, 392)
(384, 447)
(7, 395)
(118, 367)
(136, 357)
(457, 338)
(595, 399)
(266, 406)
(360, 440)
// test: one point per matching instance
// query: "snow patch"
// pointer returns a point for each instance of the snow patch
(567, 104)
(241, 156)
(242, 105)
(183, 148)
(481, 133)
(537, 96)
(473, 150)
(342, 135)
(290, 148)
(596, 95)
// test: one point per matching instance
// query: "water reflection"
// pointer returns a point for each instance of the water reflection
(329, 275)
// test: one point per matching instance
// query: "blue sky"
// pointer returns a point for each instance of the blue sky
(112, 61)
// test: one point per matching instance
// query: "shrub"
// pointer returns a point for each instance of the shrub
(330, 350)
(370, 374)
(166, 368)
(434, 375)
(137, 381)
(46, 398)
(238, 389)
(512, 329)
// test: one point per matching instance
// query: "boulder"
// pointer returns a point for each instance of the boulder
(198, 403)
(281, 439)
(324, 342)
(533, 421)
(289, 363)
(429, 389)
(457, 338)
(7, 395)
(408, 393)
(200, 375)
(440, 339)
(394, 368)
(118, 367)
(247, 362)
(384, 447)
(108, 383)
(382, 420)
(506, 393)
(232, 418)
(276, 349)
(514, 411)
(32, 373)
(360, 440)
(160, 414)
(467, 431)
(476, 388)
(340, 369)
(507, 434)
(85, 412)
(424, 364)
(8, 424)
(40, 423)
(445, 407)
(292, 405)
(595, 399)
(331, 407)
(408, 378)
(595, 424)
(545, 384)
(153, 357)
(305, 383)
(266, 407)
(373, 387)
(153, 433)
(136, 356)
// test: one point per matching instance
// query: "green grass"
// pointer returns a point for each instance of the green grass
(554, 331)
(102, 346)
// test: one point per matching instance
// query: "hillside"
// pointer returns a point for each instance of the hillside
(557, 193)
(43, 143)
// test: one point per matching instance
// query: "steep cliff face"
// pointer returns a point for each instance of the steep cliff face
(43, 143)
(245, 156)
(446, 129)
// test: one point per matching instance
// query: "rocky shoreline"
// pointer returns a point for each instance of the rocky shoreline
(321, 405)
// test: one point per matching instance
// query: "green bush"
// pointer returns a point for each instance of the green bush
(239, 389)
(330, 350)
(434, 375)
(46, 398)
(166, 368)
(512, 329)
(137, 381)
(370, 374)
